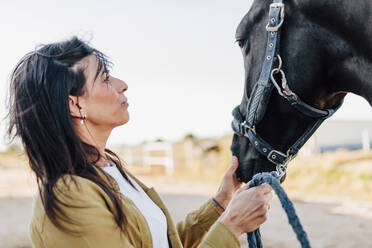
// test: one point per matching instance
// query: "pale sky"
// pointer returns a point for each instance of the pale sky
(184, 71)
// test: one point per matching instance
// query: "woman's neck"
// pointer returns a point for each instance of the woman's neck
(97, 137)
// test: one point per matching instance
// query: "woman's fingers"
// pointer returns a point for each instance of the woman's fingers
(234, 164)
(265, 188)
(269, 196)
(261, 211)
(249, 207)
(260, 220)
(244, 187)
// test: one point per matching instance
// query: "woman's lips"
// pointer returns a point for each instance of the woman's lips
(125, 100)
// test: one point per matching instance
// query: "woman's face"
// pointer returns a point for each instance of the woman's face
(103, 102)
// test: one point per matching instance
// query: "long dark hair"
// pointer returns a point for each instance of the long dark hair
(39, 115)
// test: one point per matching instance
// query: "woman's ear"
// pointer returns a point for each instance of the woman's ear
(74, 106)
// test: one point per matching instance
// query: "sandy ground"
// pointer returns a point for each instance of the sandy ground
(327, 226)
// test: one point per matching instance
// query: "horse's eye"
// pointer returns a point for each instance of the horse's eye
(240, 43)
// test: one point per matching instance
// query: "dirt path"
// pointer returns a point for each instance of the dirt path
(324, 229)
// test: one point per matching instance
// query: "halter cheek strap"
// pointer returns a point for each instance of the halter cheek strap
(276, 18)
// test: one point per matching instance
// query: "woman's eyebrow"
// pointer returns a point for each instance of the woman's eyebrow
(98, 73)
(104, 70)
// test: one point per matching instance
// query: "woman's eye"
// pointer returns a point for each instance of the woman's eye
(107, 78)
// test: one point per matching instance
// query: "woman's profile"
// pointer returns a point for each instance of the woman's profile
(63, 105)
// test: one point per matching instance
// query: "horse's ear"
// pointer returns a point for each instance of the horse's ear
(254, 14)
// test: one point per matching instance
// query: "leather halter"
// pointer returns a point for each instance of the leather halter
(247, 126)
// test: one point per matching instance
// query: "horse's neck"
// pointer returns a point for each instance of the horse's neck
(351, 22)
(347, 18)
(354, 18)
(359, 72)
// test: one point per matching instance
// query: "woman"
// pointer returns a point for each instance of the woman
(63, 105)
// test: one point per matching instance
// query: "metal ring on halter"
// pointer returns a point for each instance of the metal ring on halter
(286, 91)
(246, 128)
(281, 170)
(273, 80)
(276, 70)
(280, 62)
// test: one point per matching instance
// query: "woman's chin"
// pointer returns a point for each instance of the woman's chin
(122, 118)
(125, 119)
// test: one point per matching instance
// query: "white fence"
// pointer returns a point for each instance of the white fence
(150, 154)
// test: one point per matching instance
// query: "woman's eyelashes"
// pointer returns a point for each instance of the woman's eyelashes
(107, 77)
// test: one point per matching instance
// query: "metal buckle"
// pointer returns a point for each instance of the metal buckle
(270, 158)
(246, 128)
(282, 13)
(277, 5)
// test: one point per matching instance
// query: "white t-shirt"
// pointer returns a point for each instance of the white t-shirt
(153, 214)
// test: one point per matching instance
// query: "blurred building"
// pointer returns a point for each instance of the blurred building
(201, 155)
(340, 134)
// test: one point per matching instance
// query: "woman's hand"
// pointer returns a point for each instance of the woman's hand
(247, 209)
(229, 185)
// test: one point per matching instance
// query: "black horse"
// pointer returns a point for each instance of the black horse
(326, 49)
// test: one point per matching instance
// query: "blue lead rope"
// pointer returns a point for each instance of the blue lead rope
(254, 238)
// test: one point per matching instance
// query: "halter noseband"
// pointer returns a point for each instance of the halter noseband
(247, 126)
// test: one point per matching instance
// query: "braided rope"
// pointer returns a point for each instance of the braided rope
(254, 238)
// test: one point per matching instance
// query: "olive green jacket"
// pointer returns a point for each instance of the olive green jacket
(97, 227)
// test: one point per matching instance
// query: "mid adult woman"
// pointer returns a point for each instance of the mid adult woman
(63, 105)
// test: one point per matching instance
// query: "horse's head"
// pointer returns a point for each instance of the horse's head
(314, 54)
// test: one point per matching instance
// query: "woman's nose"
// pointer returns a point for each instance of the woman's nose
(123, 86)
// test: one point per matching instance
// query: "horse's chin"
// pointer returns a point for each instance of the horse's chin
(247, 169)
(250, 161)
(244, 171)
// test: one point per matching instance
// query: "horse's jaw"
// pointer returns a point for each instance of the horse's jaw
(250, 161)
